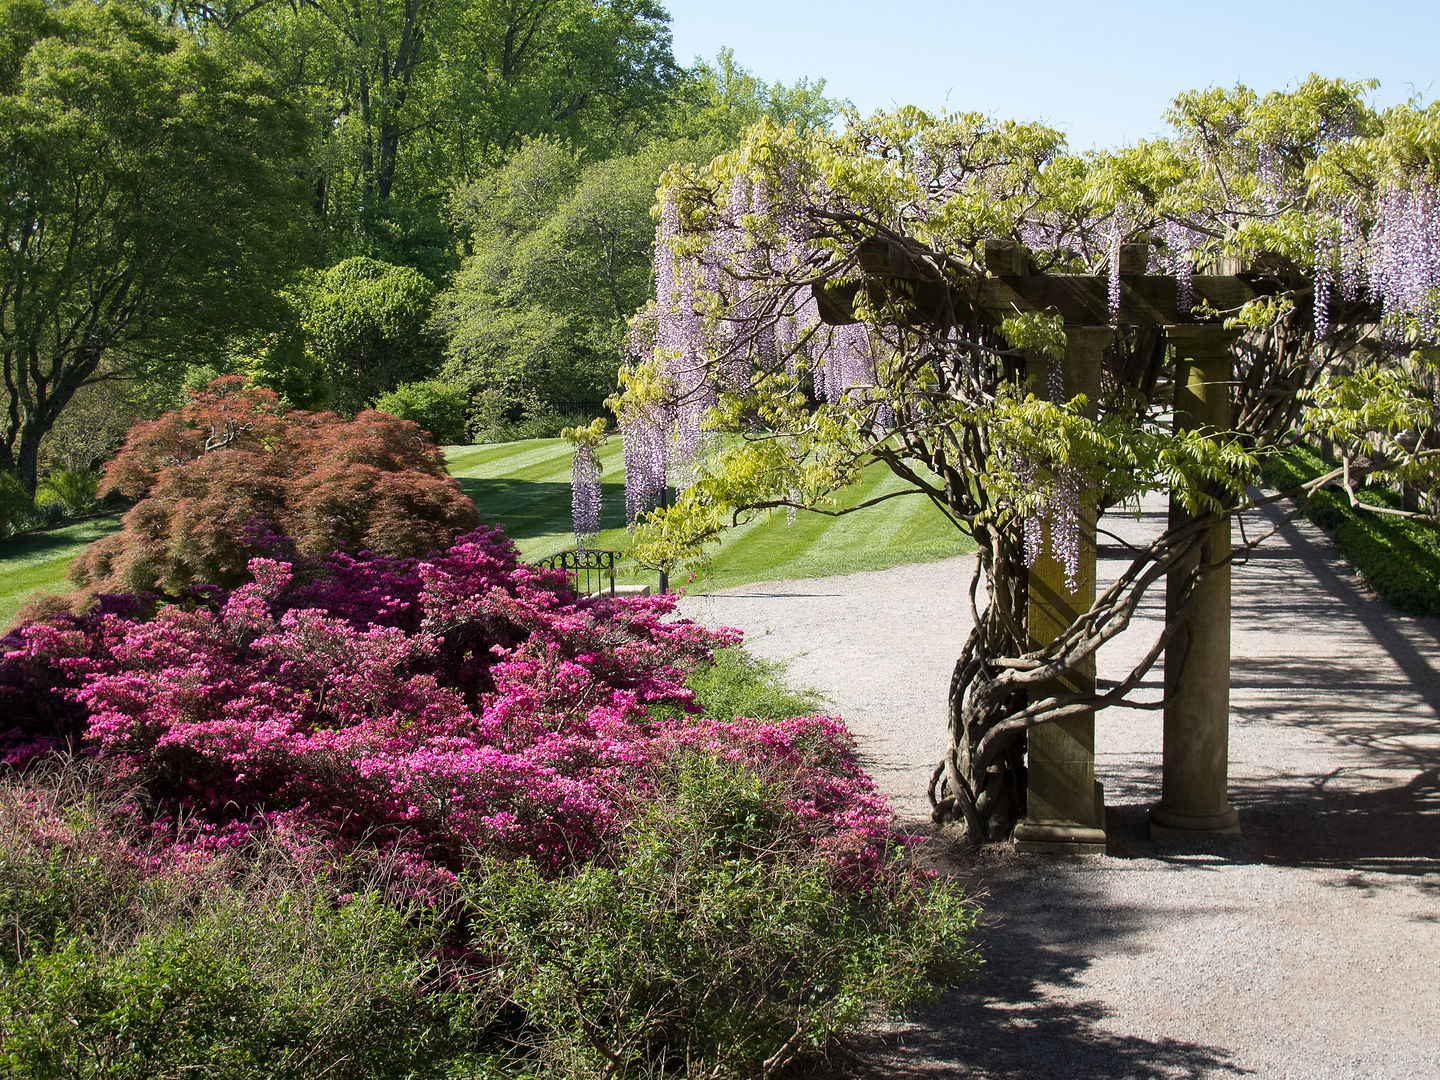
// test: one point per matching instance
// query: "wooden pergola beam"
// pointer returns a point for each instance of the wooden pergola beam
(891, 273)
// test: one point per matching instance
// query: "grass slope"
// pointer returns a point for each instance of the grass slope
(38, 562)
(525, 486)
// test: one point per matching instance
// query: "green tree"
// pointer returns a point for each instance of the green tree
(723, 99)
(365, 321)
(560, 256)
(412, 96)
(560, 245)
(145, 204)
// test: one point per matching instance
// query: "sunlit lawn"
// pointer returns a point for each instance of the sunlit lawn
(525, 486)
(38, 563)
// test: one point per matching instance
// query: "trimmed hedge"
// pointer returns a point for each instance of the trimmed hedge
(1398, 557)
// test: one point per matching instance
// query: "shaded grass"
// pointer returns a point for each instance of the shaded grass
(525, 486)
(38, 562)
(1398, 557)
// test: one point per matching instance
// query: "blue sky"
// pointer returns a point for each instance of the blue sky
(1101, 72)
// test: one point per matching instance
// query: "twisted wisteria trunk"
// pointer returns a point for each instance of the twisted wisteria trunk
(980, 782)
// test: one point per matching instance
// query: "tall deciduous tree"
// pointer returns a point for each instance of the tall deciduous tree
(561, 244)
(413, 95)
(144, 203)
(560, 256)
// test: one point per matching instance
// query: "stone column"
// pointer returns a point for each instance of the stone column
(1193, 799)
(1064, 806)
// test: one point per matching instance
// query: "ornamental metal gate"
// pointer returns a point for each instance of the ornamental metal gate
(592, 569)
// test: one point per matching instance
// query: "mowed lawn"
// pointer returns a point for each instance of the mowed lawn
(525, 486)
(38, 562)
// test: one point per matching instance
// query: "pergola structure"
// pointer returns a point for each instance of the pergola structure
(1065, 809)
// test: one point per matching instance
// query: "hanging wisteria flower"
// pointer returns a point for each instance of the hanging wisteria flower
(585, 480)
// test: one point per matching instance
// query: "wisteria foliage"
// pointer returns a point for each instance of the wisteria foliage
(1327, 204)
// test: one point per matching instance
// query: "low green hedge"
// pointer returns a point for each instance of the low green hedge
(1398, 557)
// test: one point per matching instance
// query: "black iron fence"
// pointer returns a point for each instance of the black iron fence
(593, 569)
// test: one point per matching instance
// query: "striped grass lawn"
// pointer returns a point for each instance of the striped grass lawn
(525, 486)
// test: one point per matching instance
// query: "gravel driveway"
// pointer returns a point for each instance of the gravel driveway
(1309, 947)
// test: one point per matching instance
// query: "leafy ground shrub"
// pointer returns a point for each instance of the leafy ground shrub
(234, 467)
(437, 407)
(15, 502)
(119, 964)
(73, 489)
(1398, 557)
(735, 683)
(715, 942)
(283, 990)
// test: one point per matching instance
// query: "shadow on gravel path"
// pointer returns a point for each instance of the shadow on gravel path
(1021, 1020)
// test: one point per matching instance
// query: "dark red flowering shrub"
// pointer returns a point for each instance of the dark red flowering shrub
(233, 459)
(428, 709)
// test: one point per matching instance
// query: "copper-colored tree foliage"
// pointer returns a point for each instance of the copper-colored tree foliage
(218, 481)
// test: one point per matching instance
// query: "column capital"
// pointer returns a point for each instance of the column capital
(1088, 338)
(1201, 341)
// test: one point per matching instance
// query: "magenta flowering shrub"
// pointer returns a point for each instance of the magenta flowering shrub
(811, 759)
(425, 709)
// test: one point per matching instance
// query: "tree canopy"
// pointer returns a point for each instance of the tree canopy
(414, 96)
(827, 299)
(144, 207)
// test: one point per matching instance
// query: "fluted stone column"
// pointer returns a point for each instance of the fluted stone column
(1194, 800)
(1064, 806)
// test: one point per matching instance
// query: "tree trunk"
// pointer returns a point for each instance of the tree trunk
(988, 795)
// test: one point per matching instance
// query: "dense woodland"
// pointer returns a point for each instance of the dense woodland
(441, 203)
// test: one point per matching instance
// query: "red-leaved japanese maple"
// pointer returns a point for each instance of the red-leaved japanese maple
(225, 478)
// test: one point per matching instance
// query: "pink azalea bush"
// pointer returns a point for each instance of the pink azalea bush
(429, 710)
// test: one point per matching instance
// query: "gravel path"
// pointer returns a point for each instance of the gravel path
(1307, 948)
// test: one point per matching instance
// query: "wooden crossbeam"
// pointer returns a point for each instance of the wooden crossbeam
(893, 275)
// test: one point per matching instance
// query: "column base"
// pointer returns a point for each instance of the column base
(1058, 838)
(1166, 824)
(1064, 837)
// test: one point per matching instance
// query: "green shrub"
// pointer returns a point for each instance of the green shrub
(438, 407)
(286, 988)
(722, 937)
(15, 503)
(736, 683)
(1398, 557)
(718, 944)
(365, 320)
(73, 489)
